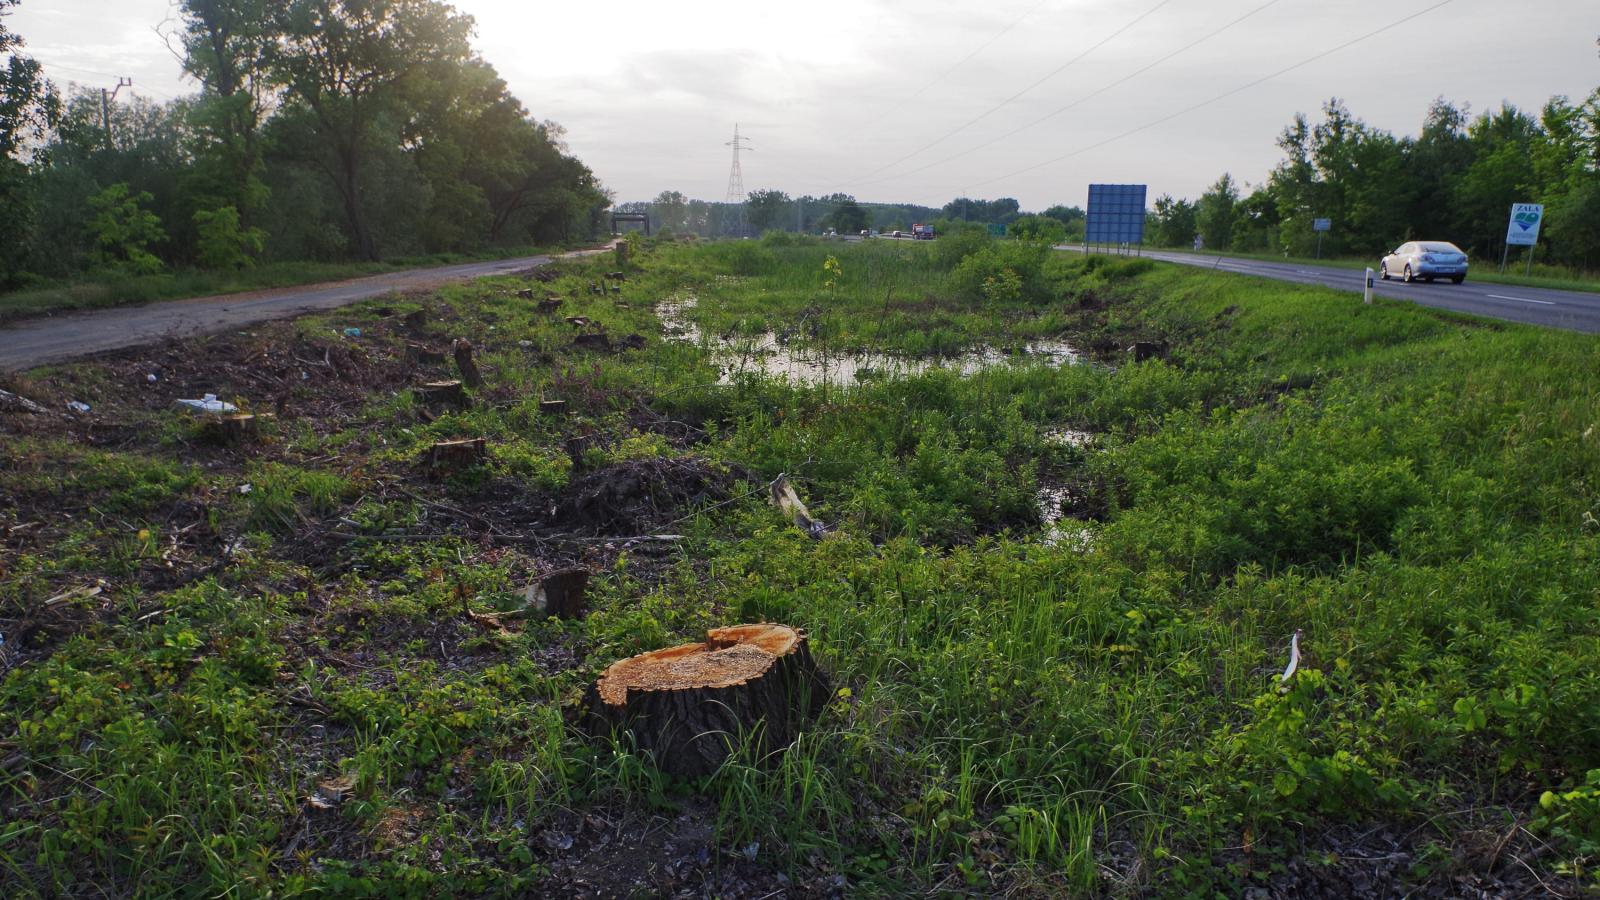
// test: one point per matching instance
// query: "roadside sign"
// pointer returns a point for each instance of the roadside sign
(1321, 224)
(1523, 230)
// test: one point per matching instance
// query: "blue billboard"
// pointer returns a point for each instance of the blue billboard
(1116, 214)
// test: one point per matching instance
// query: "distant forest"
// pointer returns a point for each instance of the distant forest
(1455, 181)
(774, 210)
(322, 130)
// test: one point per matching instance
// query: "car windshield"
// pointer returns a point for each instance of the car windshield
(1439, 247)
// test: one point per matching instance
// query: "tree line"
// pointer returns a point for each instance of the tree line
(1456, 180)
(322, 130)
(774, 210)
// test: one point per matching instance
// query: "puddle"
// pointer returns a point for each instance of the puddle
(1060, 531)
(1068, 437)
(766, 354)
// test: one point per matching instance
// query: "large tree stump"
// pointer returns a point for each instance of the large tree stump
(464, 362)
(440, 393)
(690, 707)
(594, 341)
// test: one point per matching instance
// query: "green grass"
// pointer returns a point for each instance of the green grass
(115, 289)
(1558, 278)
(1410, 490)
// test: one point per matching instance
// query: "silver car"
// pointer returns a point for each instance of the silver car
(1426, 260)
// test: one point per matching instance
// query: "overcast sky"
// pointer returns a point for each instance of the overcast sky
(870, 96)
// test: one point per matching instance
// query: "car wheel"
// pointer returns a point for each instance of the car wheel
(1458, 279)
(1383, 271)
(1406, 276)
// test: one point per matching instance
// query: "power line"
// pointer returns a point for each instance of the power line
(964, 60)
(1222, 96)
(1089, 96)
(1002, 104)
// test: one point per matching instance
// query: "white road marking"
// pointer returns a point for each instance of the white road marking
(1522, 299)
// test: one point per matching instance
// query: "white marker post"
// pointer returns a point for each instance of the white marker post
(1366, 296)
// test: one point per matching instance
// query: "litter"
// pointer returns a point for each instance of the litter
(150, 378)
(352, 332)
(246, 488)
(77, 406)
(1294, 661)
(208, 404)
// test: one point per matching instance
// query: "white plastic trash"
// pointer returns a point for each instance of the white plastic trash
(208, 404)
(77, 406)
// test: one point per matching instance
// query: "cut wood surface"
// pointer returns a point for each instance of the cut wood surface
(689, 706)
(441, 393)
(450, 456)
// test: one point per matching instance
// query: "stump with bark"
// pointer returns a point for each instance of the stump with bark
(562, 594)
(464, 362)
(595, 341)
(453, 456)
(416, 318)
(238, 428)
(422, 354)
(441, 393)
(553, 407)
(692, 706)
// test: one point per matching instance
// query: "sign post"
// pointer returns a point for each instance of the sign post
(1321, 227)
(1366, 296)
(1523, 230)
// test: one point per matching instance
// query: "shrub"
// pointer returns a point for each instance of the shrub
(223, 243)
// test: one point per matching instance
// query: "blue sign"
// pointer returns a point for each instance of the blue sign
(1116, 214)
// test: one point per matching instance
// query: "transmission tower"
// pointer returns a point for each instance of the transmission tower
(736, 177)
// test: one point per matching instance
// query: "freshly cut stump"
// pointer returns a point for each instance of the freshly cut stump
(690, 706)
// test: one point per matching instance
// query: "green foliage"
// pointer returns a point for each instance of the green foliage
(1041, 229)
(123, 230)
(223, 244)
(318, 658)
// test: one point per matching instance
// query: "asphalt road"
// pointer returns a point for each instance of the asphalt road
(37, 342)
(1570, 310)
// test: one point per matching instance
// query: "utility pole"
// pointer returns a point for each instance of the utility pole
(106, 98)
(736, 178)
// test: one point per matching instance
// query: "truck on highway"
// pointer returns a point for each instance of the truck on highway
(922, 232)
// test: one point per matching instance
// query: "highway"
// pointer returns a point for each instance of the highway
(1570, 310)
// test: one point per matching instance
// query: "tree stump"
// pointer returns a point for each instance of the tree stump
(549, 304)
(595, 341)
(469, 369)
(622, 253)
(453, 456)
(525, 293)
(561, 594)
(237, 428)
(553, 407)
(416, 318)
(1143, 350)
(691, 706)
(422, 354)
(440, 393)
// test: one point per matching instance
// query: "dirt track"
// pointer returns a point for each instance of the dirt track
(35, 342)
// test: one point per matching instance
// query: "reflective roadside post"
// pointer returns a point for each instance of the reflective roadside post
(1366, 296)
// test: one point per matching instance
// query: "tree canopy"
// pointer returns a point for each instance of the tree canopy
(322, 130)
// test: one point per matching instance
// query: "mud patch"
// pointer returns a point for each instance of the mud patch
(616, 853)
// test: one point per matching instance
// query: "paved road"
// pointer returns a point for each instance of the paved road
(1571, 310)
(36, 342)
